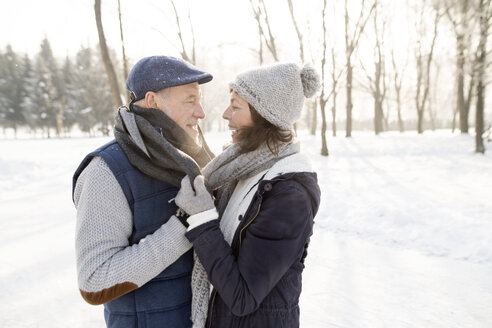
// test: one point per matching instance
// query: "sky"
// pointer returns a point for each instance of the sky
(149, 25)
(70, 24)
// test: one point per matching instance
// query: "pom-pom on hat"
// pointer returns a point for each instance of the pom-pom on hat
(277, 92)
(159, 72)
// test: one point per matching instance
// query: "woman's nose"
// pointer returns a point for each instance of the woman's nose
(227, 113)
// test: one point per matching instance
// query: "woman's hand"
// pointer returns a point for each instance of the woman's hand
(194, 201)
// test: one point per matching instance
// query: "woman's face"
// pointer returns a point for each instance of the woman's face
(238, 115)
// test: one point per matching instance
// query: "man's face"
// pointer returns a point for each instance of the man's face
(182, 104)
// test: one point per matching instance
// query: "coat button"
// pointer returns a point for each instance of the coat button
(240, 217)
(267, 187)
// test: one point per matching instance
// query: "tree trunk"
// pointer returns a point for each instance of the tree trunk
(486, 16)
(108, 65)
(351, 43)
(334, 84)
(324, 145)
(123, 52)
(378, 101)
(479, 146)
(460, 101)
(420, 121)
(423, 76)
(398, 82)
(348, 132)
(314, 116)
(322, 98)
(378, 115)
(334, 115)
(401, 125)
(59, 123)
(453, 123)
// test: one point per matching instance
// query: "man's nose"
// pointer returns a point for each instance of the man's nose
(199, 112)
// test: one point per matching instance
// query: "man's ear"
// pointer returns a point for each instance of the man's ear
(150, 99)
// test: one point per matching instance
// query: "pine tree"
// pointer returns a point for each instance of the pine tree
(43, 109)
(53, 86)
(3, 100)
(30, 83)
(93, 96)
(12, 90)
(104, 109)
(69, 102)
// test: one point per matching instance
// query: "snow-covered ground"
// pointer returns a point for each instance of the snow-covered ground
(403, 237)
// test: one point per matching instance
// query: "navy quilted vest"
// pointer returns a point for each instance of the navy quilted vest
(165, 301)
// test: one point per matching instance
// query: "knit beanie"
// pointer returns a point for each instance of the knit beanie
(277, 92)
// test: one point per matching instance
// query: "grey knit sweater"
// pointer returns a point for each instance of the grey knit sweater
(105, 258)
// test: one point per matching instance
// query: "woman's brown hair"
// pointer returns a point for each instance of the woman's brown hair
(251, 137)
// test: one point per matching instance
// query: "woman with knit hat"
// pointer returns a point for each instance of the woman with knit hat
(250, 244)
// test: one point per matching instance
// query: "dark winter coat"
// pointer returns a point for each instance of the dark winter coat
(165, 301)
(258, 284)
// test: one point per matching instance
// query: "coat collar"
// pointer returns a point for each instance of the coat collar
(294, 163)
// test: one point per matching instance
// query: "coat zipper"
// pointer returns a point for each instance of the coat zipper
(250, 221)
(240, 243)
(212, 308)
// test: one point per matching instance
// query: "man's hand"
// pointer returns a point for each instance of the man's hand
(193, 202)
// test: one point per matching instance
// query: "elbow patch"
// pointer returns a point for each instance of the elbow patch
(108, 294)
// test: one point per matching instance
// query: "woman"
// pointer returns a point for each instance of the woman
(253, 241)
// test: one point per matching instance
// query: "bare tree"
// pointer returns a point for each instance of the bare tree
(298, 32)
(323, 99)
(397, 80)
(123, 52)
(108, 65)
(184, 53)
(461, 15)
(423, 58)
(312, 103)
(485, 10)
(260, 39)
(261, 16)
(433, 98)
(377, 82)
(335, 79)
(351, 43)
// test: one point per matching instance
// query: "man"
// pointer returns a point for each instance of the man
(132, 255)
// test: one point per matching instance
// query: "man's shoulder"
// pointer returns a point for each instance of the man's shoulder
(107, 158)
(114, 156)
(109, 147)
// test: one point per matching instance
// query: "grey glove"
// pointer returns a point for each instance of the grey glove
(193, 202)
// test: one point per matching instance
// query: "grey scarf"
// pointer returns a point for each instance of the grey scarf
(222, 174)
(159, 147)
(224, 171)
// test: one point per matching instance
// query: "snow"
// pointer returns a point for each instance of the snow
(402, 238)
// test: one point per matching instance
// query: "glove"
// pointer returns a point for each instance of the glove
(193, 202)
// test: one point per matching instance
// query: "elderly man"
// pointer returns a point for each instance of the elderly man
(132, 255)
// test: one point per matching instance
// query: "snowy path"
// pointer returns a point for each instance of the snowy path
(352, 283)
(402, 239)
(396, 215)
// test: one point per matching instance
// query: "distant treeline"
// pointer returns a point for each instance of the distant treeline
(49, 96)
